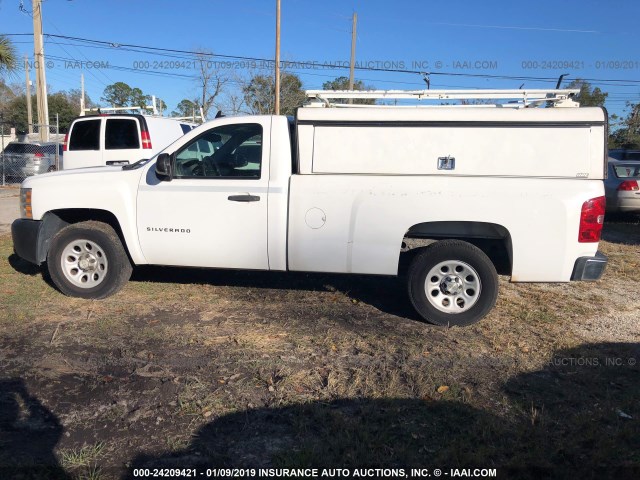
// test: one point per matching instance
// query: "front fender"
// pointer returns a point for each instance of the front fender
(104, 189)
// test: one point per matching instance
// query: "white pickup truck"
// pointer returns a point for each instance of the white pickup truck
(477, 190)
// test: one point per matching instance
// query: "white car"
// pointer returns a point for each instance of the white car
(622, 187)
(119, 139)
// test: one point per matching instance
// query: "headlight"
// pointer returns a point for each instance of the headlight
(25, 203)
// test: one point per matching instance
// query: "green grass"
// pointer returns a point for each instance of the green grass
(81, 457)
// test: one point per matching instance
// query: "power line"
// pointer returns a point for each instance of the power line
(81, 53)
(128, 46)
(130, 69)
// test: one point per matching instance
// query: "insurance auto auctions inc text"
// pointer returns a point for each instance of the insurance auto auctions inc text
(359, 473)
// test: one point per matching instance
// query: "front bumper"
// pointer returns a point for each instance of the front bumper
(25, 239)
(589, 269)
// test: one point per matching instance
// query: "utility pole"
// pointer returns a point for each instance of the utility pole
(28, 90)
(352, 64)
(277, 82)
(41, 80)
(82, 94)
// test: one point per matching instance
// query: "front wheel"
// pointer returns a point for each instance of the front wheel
(452, 283)
(87, 260)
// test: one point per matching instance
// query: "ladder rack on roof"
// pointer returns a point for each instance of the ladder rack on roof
(521, 98)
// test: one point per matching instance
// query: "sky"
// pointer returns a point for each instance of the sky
(462, 43)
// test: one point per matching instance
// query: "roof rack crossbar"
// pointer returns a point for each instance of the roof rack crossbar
(526, 97)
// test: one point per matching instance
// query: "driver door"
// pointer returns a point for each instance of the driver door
(213, 213)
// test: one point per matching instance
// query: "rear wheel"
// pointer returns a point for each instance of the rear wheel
(88, 260)
(452, 283)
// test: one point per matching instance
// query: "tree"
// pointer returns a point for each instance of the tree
(186, 108)
(259, 94)
(628, 133)
(59, 104)
(117, 94)
(342, 83)
(8, 56)
(120, 94)
(588, 97)
(7, 93)
(16, 111)
(160, 105)
(138, 99)
(74, 95)
(233, 104)
(210, 81)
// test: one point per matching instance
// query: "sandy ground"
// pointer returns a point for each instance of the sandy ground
(9, 207)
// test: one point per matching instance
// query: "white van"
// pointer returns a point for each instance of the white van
(118, 139)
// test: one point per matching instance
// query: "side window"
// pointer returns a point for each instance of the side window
(121, 133)
(229, 151)
(185, 128)
(85, 135)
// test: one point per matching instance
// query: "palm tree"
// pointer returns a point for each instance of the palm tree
(8, 55)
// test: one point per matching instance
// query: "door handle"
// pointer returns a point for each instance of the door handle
(244, 198)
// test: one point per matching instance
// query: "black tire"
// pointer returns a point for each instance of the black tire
(106, 266)
(459, 301)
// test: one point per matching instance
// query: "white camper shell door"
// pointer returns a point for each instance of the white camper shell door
(213, 213)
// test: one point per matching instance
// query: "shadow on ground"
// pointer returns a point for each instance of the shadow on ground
(22, 266)
(28, 434)
(387, 294)
(577, 418)
(622, 228)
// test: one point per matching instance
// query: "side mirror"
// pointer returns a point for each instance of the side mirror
(164, 167)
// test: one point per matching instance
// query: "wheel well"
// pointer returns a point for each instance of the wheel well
(56, 220)
(493, 239)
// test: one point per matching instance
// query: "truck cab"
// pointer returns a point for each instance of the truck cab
(240, 189)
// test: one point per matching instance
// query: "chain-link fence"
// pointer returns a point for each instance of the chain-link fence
(31, 154)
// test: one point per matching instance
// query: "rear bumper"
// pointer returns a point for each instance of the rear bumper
(25, 239)
(624, 202)
(589, 269)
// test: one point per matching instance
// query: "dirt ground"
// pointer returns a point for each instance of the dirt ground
(188, 368)
(9, 207)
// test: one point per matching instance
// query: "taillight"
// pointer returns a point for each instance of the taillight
(38, 155)
(65, 143)
(146, 141)
(591, 220)
(629, 186)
